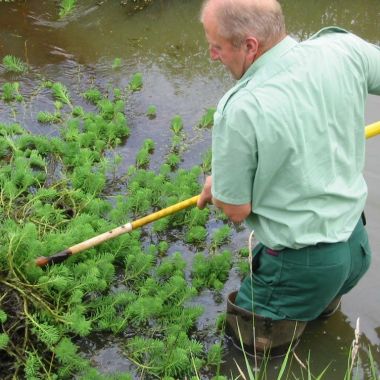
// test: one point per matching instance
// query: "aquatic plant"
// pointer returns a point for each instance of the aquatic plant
(136, 82)
(177, 124)
(206, 161)
(116, 63)
(211, 271)
(66, 7)
(61, 93)
(93, 95)
(48, 117)
(207, 119)
(14, 64)
(11, 92)
(221, 235)
(151, 112)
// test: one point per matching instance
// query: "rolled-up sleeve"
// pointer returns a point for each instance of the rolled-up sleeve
(234, 156)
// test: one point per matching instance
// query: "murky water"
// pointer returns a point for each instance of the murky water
(165, 42)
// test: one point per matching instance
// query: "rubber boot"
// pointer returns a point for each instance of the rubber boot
(332, 308)
(259, 335)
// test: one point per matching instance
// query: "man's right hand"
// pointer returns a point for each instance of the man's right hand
(205, 196)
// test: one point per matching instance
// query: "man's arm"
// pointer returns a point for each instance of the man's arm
(236, 213)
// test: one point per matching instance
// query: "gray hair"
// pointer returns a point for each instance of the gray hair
(238, 19)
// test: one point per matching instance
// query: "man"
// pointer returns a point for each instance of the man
(288, 150)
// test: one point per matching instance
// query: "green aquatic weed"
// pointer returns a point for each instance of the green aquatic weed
(66, 7)
(169, 356)
(211, 271)
(116, 63)
(151, 111)
(149, 145)
(173, 160)
(93, 95)
(44, 117)
(142, 158)
(206, 161)
(214, 355)
(14, 64)
(163, 247)
(4, 340)
(176, 124)
(221, 235)
(11, 92)
(61, 93)
(136, 82)
(196, 234)
(207, 119)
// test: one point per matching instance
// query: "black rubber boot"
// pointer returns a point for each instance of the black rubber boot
(260, 335)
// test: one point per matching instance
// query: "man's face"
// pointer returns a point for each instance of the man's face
(234, 58)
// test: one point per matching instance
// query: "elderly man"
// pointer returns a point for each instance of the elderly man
(288, 150)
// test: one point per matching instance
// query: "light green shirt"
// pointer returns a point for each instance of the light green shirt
(289, 138)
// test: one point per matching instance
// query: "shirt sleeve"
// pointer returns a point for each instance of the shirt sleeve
(370, 53)
(373, 57)
(234, 156)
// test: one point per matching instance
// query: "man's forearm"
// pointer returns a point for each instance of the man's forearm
(236, 213)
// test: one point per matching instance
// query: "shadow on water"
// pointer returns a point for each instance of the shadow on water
(165, 42)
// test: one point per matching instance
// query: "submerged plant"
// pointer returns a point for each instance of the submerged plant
(151, 112)
(48, 117)
(14, 64)
(211, 271)
(177, 124)
(116, 63)
(61, 93)
(66, 7)
(11, 92)
(93, 95)
(207, 119)
(136, 82)
(221, 236)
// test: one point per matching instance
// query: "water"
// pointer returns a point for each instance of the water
(165, 42)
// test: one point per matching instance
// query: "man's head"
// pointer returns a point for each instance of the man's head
(239, 31)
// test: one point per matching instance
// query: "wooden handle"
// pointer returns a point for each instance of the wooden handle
(111, 234)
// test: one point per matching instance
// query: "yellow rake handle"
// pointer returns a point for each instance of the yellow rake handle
(94, 241)
(372, 130)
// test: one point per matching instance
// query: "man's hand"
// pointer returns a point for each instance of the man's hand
(205, 196)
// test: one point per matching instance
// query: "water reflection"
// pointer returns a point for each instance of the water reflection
(304, 18)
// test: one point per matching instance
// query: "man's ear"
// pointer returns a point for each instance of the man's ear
(252, 47)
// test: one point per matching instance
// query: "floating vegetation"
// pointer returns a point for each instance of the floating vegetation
(55, 193)
(61, 93)
(14, 64)
(48, 117)
(207, 119)
(11, 92)
(66, 7)
(116, 63)
(177, 124)
(211, 271)
(151, 112)
(136, 82)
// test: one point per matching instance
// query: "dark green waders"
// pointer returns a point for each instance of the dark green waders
(270, 337)
(259, 335)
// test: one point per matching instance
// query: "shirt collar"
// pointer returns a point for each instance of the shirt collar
(269, 56)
